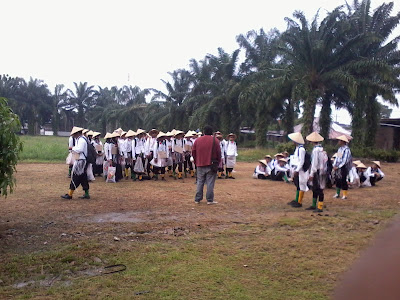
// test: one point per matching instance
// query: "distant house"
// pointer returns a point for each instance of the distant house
(335, 130)
(388, 134)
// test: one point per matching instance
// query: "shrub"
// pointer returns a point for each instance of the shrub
(282, 147)
(376, 154)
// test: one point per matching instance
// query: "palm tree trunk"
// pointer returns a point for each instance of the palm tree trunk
(372, 116)
(55, 120)
(261, 128)
(358, 121)
(325, 117)
(308, 114)
(288, 122)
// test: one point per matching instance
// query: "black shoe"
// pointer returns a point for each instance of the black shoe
(296, 204)
(66, 196)
(291, 202)
(318, 210)
(163, 179)
(311, 208)
(84, 197)
(232, 177)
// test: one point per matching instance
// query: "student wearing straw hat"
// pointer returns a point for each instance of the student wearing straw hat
(376, 172)
(98, 145)
(187, 164)
(300, 176)
(148, 149)
(71, 144)
(178, 148)
(260, 171)
(161, 155)
(318, 171)
(342, 166)
(353, 179)
(231, 154)
(79, 175)
(364, 174)
(222, 144)
(281, 171)
(139, 149)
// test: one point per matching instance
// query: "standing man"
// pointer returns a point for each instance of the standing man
(79, 175)
(300, 174)
(206, 149)
(342, 166)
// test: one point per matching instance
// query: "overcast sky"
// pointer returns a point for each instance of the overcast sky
(109, 43)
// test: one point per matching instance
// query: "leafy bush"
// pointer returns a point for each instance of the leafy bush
(282, 147)
(10, 146)
(376, 154)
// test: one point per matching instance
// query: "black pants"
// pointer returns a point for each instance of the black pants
(342, 182)
(78, 180)
(97, 169)
(261, 176)
(279, 176)
(374, 180)
(179, 165)
(318, 193)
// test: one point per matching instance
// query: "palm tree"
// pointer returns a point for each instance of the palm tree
(58, 100)
(81, 100)
(381, 76)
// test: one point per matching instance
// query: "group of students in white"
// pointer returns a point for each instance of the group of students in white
(316, 171)
(139, 155)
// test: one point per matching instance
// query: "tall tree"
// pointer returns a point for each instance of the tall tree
(82, 99)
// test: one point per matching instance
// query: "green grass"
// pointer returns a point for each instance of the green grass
(254, 154)
(54, 149)
(44, 149)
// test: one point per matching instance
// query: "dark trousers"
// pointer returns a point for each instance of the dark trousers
(318, 193)
(374, 180)
(97, 169)
(342, 182)
(179, 165)
(261, 176)
(78, 180)
(279, 176)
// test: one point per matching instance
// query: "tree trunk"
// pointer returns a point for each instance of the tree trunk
(325, 117)
(358, 122)
(288, 121)
(55, 120)
(372, 117)
(261, 127)
(308, 114)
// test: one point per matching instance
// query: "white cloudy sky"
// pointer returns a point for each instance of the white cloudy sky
(101, 42)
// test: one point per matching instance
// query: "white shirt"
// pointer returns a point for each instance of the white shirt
(299, 157)
(231, 148)
(160, 146)
(81, 147)
(71, 142)
(149, 145)
(107, 150)
(315, 163)
(139, 149)
(261, 170)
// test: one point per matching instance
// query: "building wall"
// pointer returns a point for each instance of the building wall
(384, 138)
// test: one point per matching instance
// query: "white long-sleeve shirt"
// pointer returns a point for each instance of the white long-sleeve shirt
(149, 145)
(71, 143)
(160, 146)
(299, 157)
(107, 150)
(315, 159)
(353, 175)
(139, 146)
(231, 148)
(81, 147)
(377, 170)
(261, 170)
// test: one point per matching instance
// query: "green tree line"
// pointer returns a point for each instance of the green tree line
(346, 59)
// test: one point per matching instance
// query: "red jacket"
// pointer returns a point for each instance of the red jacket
(201, 150)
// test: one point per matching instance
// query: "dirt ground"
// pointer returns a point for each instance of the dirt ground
(35, 217)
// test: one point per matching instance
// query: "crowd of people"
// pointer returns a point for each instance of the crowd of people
(316, 171)
(140, 155)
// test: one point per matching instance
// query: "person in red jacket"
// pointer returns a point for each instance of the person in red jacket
(205, 150)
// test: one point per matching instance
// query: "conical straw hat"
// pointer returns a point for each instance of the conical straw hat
(107, 136)
(75, 129)
(343, 138)
(161, 134)
(357, 162)
(314, 137)
(96, 133)
(130, 133)
(139, 131)
(361, 166)
(90, 132)
(296, 137)
(377, 162)
(114, 134)
(263, 161)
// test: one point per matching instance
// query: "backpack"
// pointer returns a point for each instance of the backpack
(323, 162)
(92, 153)
(307, 161)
